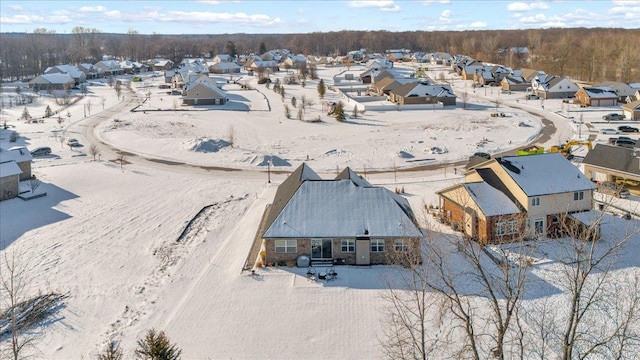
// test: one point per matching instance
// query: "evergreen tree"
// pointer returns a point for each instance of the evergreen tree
(25, 114)
(355, 112)
(231, 49)
(294, 101)
(287, 111)
(263, 48)
(48, 112)
(339, 112)
(322, 90)
(112, 352)
(156, 346)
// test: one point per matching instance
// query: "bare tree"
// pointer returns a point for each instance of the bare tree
(464, 97)
(300, 114)
(122, 159)
(231, 136)
(14, 285)
(34, 183)
(94, 151)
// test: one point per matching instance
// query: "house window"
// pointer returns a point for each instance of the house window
(578, 195)
(401, 245)
(506, 227)
(555, 219)
(377, 245)
(348, 246)
(286, 246)
(535, 201)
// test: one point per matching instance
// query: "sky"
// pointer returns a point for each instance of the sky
(278, 17)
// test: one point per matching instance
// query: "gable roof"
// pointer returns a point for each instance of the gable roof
(632, 106)
(348, 174)
(9, 168)
(288, 187)
(596, 92)
(491, 201)
(422, 89)
(54, 78)
(613, 157)
(545, 174)
(620, 88)
(340, 208)
(17, 154)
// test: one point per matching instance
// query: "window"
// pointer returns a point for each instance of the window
(555, 219)
(506, 227)
(535, 201)
(401, 245)
(377, 245)
(578, 195)
(286, 246)
(348, 246)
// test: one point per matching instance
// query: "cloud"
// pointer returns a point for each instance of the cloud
(521, 6)
(628, 10)
(478, 24)
(429, 2)
(98, 8)
(380, 5)
(35, 19)
(445, 16)
(200, 16)
(209, 2)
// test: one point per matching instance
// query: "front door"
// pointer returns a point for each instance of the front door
(363, 251)
(321, 249)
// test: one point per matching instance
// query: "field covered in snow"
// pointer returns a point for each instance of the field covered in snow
(110, 233)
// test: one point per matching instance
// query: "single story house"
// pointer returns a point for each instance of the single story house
(55, 81)
(623, 90)
(632, 110)
(109, 68)
(610, 163)
(224, 68)
(78, 75)
(423, 93)
(222, 58)
(163, 64)
(596, 96)
(89, 70)
(344, 220)
(203, 91)
(264, 65)
(553, 87)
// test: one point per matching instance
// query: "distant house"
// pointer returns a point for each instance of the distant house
(423, 93)
(90, 71)
(295, 62)
(265, 65)
(624, 91)
(78, 75)
(596, 96)
(520, 80)
(384, 86)
(345, 219)
(220, 58)
(15, 166)
(440, 58)
(504, 197)
(490, 75)
(56, 81)
(133, 67)
(553, 87)
(163, 64)
(610, 163)
(203, 91)
(469, 69)
(224, 68)
(632, 110)
(109, 68)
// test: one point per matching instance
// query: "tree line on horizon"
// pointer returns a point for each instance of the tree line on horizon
(585, 54)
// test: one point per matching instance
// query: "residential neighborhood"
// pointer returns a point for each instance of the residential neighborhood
(224, 196)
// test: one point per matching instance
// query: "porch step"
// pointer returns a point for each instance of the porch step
(321, 263)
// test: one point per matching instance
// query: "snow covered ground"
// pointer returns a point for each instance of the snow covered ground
(107, 232)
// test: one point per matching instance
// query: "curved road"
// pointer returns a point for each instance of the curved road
(113, 154)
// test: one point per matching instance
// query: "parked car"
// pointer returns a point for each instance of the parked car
(482, 155)
(44, 150)
(613, 116)
(628, 143)
(627, 129)
(609, 132)
(532, 97)
(613, 189)
(73, 142)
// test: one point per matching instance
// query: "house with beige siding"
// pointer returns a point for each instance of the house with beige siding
(344, 220)
(15, 166)
(631, 110)
(547, 189)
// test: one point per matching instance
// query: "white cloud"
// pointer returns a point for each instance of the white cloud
(478, 24)
(537, 18)
(98, 8)
(521, 6)
(199, 16)
(445, 16)
(429, 2)
(209, 2)
(383, 5)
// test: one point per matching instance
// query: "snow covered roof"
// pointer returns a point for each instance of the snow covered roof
(491, 201)
(66, 69)
(545, 174)
(54, 78)
(340, 208)
(17, 154)
(597, 92)
(424, 89)
(9, 168)
(348, 174)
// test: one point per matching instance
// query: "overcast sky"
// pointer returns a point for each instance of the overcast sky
(219, 17)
